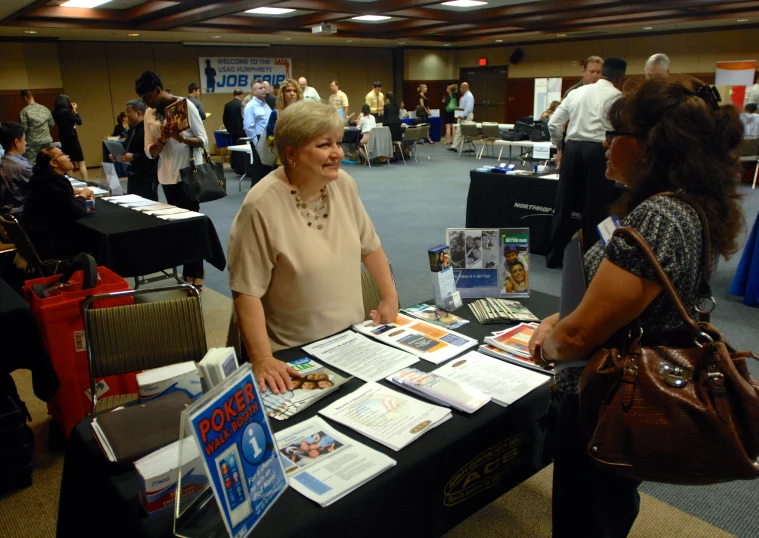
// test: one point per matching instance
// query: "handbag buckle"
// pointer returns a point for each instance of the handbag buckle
(673, 375)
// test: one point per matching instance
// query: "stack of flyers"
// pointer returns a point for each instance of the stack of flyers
(498, 353)
(440, 390)
(435, 315)
(490, 310)
(515, 340)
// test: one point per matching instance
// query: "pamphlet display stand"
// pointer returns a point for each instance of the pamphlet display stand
(61, 323)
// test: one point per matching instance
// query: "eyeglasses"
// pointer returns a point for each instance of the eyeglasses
(611, 135)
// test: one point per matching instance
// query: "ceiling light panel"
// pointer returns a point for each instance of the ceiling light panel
(464, 3)
(270, 11)
(371, 18)
(84, 3)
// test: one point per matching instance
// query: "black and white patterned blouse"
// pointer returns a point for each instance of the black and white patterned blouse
(673, 230)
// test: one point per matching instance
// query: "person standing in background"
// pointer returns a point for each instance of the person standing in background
(233, 123)
(142, 174)
(256, 118)
(37, 120)
(269, 98)
(338, 99)
(657, 66)
(449, 101)
(193, 94)
(309, 93)
(465, 113)
(591, 72)
(376, 100)
(175, 149)
(66, 117)
(582, 178)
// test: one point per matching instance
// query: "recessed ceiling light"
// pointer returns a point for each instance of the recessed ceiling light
(349, 41)
(499, 40)
(464, 3)
(742, 20)
(288, 38)
(84, 3)
(447, 45)
(30, 32)
(371, 18)
(216, 36)
(648, 27)
(561, 35)
(133, 35)
(270, 10)
(401, 42)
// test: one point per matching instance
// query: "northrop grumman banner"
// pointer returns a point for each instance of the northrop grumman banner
(223, 75)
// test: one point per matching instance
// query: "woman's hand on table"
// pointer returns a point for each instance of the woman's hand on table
(274, 373)
(386, 311)
(545, 327)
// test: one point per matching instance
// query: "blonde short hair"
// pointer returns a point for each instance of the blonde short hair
(280, 106)
(592, 60)
(303, 121)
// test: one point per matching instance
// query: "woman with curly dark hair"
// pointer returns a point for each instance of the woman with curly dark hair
(670, 135)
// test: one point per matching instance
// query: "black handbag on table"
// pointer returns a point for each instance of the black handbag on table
(203, 182)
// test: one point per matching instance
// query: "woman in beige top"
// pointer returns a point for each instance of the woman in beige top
(296, 245)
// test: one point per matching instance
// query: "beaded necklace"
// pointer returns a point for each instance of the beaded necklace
(312, 214)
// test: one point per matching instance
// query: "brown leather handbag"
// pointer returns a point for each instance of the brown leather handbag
(677, 407)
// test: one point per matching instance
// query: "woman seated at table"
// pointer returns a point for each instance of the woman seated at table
(366, 123)
(53, 206)
(122, 126)
(296, 245)
(670, 134)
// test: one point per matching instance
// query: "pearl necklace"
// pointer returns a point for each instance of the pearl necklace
(306, 211)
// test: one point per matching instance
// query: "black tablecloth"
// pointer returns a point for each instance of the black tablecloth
(502, 201)
(131, 243)
(441, 479)
(22, 346)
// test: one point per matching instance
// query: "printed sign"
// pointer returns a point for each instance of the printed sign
(223, 75)
(239, 454)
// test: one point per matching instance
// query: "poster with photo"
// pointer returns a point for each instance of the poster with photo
(515, 245)
(490, 262)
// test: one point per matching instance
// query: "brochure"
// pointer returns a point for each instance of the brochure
(490, 262)
(360, 356)
(325, 465)
(490, 310)
(427, 341)
(315, 383)
(180, 377)
(177, 116)
(436, 316)
(386, 416)
(441, 390)
(218, 364)
(238, 451)
(503, 381)
(511, 357)
(514, 340)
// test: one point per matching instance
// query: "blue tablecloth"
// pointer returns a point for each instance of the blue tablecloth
(436, 124)
(746, 279)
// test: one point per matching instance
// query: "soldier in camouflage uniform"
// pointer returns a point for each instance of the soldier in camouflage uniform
(37, 120)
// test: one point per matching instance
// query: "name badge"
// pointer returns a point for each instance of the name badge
(607, 227)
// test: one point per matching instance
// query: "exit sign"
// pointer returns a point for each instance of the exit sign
(483, 61)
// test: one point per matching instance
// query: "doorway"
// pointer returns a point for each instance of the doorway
(488, 85)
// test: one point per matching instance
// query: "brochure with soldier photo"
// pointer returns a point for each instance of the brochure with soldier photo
(489, 262)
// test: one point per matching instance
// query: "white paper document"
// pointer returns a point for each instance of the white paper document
(385, 415)
(141, 203)
(503, 381)
(125, 199)
(180, 216)
(152, 207)
(325, 465)
(441, 390)
(425, 340)
(360, 356)
(167, 211)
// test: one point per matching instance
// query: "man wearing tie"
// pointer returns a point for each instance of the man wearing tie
(142, 174)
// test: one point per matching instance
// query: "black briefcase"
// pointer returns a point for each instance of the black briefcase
(539, 132)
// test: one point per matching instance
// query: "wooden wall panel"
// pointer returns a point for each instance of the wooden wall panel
(125, 63)
(84, 71)
(13, 69)
(42, 65)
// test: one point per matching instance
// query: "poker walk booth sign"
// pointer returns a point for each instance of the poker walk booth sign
(224, 74)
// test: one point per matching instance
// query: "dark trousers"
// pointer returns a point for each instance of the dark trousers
(258, 169)
(587, 502)
(143, 185)
(175, 195)
(582, 187)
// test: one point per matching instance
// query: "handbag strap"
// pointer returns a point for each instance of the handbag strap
(206, 158)
(638, 239)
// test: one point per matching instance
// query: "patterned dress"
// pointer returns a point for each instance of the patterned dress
(673, 230)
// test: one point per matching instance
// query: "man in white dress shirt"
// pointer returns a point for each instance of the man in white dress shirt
(582, 181)
(465, 112)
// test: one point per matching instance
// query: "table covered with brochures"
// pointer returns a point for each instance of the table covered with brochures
(439, 480)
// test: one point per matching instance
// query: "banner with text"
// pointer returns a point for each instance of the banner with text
(223, 75)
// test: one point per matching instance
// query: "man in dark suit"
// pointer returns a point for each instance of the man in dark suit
(142, 174)
(233, 123)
